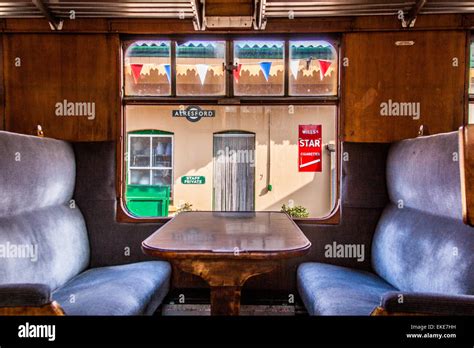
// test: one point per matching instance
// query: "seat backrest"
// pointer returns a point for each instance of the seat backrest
(43, 237)
(421, 242)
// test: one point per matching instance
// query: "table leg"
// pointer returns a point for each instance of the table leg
(225, 300)
(225, 278)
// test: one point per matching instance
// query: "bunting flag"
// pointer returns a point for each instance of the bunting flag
(168, 71)
(236, 72)
(324, 66)
(294, 65)
(265, 66)
(136, 70)
(202, 71)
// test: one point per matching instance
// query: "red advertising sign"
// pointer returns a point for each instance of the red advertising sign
(309, 148)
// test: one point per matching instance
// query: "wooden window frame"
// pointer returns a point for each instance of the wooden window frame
(122, 214)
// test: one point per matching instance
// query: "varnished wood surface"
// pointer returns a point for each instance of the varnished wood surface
(225, 277)
(51, 309)
(379, 311)
(228, 235)
(54, 68)
(380, 71)
(466, 147)
(225, 249)
(274, 25)
(216, 8)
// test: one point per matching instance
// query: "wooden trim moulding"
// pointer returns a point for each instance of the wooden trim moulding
(274, 25)
(466, 166)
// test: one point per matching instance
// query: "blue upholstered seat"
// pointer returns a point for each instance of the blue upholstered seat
(333, 290)
(420, 245)
(38, 212)
(133, 289)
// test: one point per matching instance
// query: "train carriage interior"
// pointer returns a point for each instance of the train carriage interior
(293, 163)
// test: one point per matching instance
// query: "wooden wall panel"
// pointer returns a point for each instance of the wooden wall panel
(54, 68)
(380, 71)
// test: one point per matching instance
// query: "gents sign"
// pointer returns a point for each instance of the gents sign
(196, 180)
(194, 113)
(309, 148)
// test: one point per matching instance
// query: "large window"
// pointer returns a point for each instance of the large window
(247, 147)
(278, 68)
(242, 158)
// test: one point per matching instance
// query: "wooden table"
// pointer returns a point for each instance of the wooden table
(227, 248)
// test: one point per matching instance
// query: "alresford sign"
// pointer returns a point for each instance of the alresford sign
(193, 113)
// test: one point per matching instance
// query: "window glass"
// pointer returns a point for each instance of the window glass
(312, 68)
(147, 70)
(200, 68)
(235, 158)
(149, 159)
(259, 68)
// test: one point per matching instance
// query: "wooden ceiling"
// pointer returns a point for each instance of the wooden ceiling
(199, 10)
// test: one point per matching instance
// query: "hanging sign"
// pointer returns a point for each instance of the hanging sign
(193, 180)
(309, 148)
(193, 113)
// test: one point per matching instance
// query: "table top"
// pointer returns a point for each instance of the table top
(228, 234)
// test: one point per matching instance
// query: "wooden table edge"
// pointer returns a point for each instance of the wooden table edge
(207, 254)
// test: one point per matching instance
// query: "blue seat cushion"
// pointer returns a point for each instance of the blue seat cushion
(333, 290)
(132, 289)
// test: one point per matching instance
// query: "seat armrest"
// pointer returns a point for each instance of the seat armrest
(427, 303)
(24, 295)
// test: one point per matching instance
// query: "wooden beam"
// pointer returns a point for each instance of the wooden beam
(56, 23)
(260, 19)
(197, 9)
(414, 11)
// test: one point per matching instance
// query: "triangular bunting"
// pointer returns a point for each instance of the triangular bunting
(202, 71)
(236, 72)
(294, 65)
(136, 70)
(265, 66)
(324, 66)
(168, 71)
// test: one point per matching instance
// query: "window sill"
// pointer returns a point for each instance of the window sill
(123, 216)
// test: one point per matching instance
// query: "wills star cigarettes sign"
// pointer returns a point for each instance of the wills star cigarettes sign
(309, 148)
